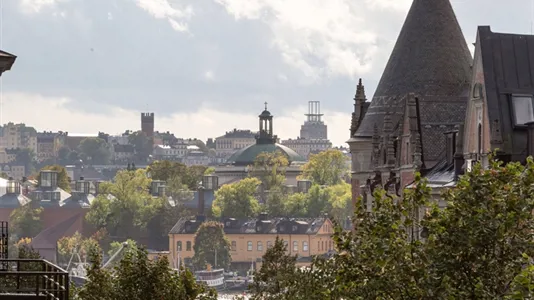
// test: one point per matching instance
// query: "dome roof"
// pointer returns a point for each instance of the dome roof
(247, 156)
(265, 113)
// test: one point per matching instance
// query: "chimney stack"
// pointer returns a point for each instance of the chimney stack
(459, 160)
(201, 201)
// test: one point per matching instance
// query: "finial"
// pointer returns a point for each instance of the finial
(265, 105)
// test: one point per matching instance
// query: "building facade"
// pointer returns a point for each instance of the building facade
(233, 141)
(147, 124)
(421, 96)
(250, 239)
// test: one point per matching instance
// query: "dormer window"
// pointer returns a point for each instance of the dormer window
(48, 179)
(13, 187)
(523, 109)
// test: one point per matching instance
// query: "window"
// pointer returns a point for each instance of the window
(295, 246)
(260, 246)
(285, 244)
(188, 246)
(523, 111)
(322, 245)
(249, 246)
(234, 246)
(304, 246)
(269, 244)
(179, 246)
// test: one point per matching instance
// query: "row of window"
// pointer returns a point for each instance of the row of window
(321, 245)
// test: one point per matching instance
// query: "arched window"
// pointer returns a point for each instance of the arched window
(179, 246)
(304, 246)
(479, 149)
(188, 246)
(260, 246)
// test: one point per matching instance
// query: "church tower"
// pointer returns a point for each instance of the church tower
(266, 135)
(431, 62)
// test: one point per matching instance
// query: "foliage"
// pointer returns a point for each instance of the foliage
(326, 168)
(116, 246)
(26, 221)
(270, 168)
(137, 277)
(4, 175)
(277, 273)
(478, 247)
(75, 244)
(95, 150)
(169, 170)
(237, 200)
(211, 246)
(143, 145)
(125, 206)
(296, 205)
(26, 157)
(209, 170)
(62, 177)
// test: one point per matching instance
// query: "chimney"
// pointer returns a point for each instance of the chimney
(459, 160)
(450, 145)
(201, 201)
(530, 139)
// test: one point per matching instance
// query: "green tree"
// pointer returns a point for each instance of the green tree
(278, 272)
(62, 177)
(63, 155)
(270, 168)
(4, 175)
(143, 145)
(318, 201)
(339, 201)
(326, 168)
(296, 205)
(169, 170)
(211, 246)
(131, 207)
(26, 221)
(237, 200)
(26, 157)
(95, 150)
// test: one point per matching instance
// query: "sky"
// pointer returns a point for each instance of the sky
(205, 67)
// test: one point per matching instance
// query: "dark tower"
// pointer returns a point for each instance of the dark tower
(360, 108)
(266, 128)
(147, 124)
(430, 59)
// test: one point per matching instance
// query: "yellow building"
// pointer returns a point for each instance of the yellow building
(250, 238)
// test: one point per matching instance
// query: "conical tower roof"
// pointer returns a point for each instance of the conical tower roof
(430, 59)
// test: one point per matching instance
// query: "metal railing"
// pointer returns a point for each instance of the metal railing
(34, 277)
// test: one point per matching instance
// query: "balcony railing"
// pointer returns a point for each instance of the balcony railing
(33, 279)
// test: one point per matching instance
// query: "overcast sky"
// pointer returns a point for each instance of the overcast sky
(206, 66)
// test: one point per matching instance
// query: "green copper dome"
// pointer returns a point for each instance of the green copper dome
(247, 156)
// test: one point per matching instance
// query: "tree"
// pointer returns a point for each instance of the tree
(62, 177)
(270, 168)
(63, 155)
(278, 272)
(26, 157)
(296, 205)
(130, 208)
(237, 200)
(75, 244)
(166, 170)
(211, 246)
(95, 150)
(339, 201)
(26, 221)
(143, 145)
(326, 168)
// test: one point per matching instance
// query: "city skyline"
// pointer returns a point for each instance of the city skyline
(75, 68)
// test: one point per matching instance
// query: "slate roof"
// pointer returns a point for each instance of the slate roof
(250, 226)
(508, 68)
(6, 61)
(11, 200)
(47, 239)
(432, 60)
(246, 156)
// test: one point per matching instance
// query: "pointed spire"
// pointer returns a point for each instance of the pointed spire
(430, 58)
(360, 108)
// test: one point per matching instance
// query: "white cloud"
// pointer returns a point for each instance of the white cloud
(54, 114)
(36, 6)
(176, 15)
(319, 38)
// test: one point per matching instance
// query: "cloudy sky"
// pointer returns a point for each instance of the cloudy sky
(206, 66)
